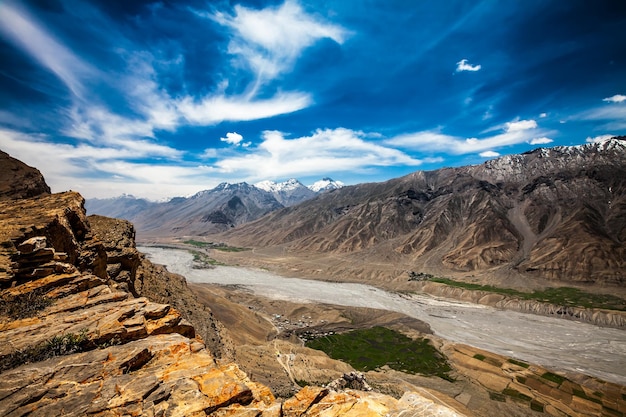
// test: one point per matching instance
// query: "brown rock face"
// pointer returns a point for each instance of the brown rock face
(18, 180)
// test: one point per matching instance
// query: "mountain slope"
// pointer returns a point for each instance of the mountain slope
(208, 211)
(556, 213)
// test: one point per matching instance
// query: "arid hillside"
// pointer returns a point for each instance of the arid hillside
(555, 214)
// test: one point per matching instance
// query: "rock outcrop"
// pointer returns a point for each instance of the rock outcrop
(18, 180)
(78, 336)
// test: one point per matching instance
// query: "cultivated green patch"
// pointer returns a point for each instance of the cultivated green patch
(563, 296)
(202, 260)
(217, 246)
(369, 349)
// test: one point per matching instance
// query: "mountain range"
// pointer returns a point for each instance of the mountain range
(554, 214)
(209, 211)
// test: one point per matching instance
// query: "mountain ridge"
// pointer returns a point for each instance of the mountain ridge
(208, 211)
(557, 214)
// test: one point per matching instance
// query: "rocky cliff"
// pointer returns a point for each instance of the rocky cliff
(18, 180)
(79, 337)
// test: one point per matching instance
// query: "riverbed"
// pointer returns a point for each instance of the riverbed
(554, 343)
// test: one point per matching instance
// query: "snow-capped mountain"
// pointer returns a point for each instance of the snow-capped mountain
(288, 193)
(325, 184)
(216, 209)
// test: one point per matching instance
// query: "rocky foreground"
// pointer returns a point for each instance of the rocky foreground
(78, 338)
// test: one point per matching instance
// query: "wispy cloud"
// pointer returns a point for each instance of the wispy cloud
(613, 113)
(24, 31)
(268, 41)
(489, 154)
(464, 65)
(617, 98)
(324, 151)
(212, 110)
(512, 133)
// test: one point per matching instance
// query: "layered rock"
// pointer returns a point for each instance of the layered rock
(78, 338)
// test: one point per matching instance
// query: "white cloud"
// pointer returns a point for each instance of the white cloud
(463, 65)
(540, 141)
(512, 133)
(520, 125)
(232, 138)
(598, 139)
(26, 33)
(489, 154)
(269, 40)
(543, 115)
(613, 113)
(216, 109)
(617, 98)
(324, 151)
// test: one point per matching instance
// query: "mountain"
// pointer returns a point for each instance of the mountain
(124, 207)
(287, 193)
(220, 208)
(208, 211)
(325, 184)
(552, 213)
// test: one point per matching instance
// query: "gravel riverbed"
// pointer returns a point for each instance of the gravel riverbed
(557, 344)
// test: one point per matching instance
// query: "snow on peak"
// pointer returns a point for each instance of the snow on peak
(274, 187)
(325, 184)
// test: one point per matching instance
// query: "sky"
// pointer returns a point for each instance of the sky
(164, 99)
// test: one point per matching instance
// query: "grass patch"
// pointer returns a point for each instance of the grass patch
(515, 394)
(558, 379)
(212, 245)
(369, 349)
(564, 296)
(520, 379)
(496, 396)
(518, 363)
(24, 305)
(202, 260)
(57, 346)
(479, 357)
(301, 383)
(536, 406)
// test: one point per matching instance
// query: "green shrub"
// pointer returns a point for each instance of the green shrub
(56, 346)
(24, 305)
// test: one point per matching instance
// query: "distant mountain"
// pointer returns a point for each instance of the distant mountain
(208, 211)
(552, 213)
(287, 193)
(325, 184)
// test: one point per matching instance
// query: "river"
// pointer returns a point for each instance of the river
(554, 343)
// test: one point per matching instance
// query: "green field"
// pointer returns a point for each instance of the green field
(564, 296)
(373, 348)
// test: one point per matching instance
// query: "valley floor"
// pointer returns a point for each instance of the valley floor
(561, 345)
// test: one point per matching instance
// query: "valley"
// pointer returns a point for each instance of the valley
(559, 344)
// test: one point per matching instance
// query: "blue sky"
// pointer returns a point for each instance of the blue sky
(160, 99)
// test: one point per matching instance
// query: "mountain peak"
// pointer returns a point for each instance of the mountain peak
(325, 184)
